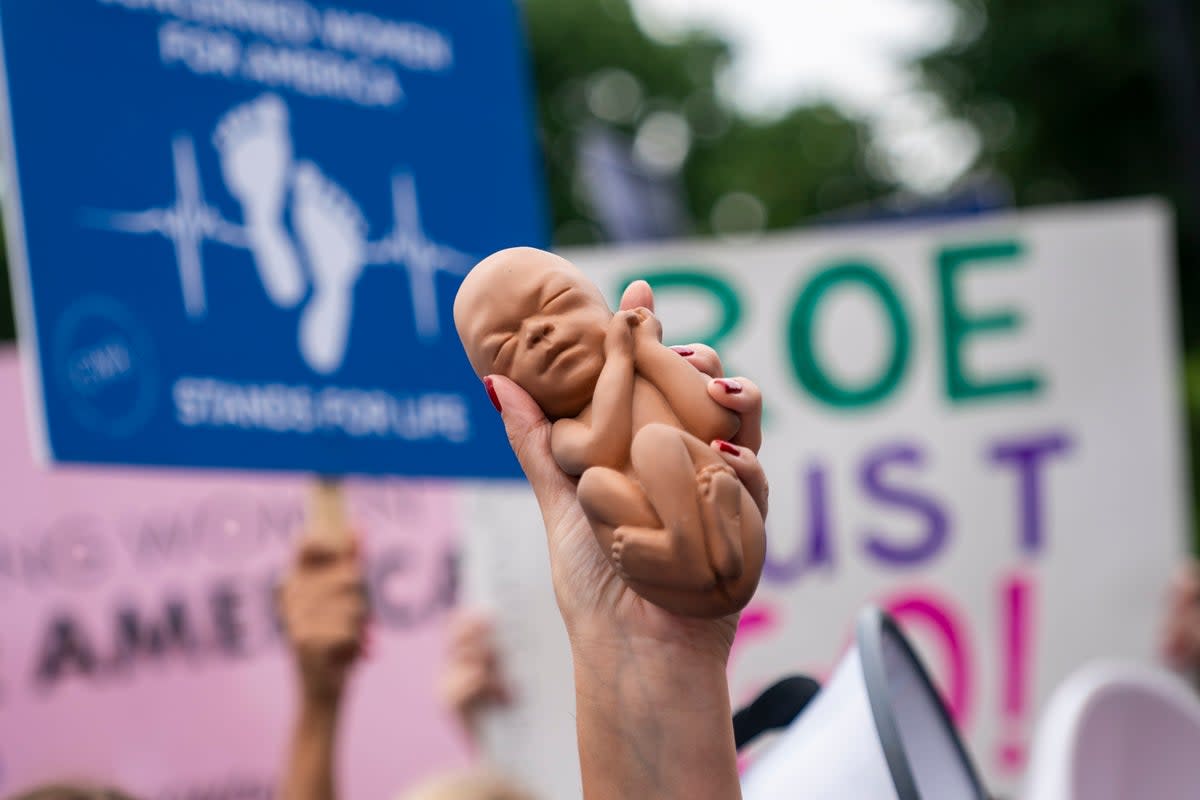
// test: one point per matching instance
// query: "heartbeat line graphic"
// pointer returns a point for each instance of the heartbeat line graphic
(190, 222)
(406, 246)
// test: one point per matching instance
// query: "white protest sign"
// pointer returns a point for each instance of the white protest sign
(507, 574)
(974, 425)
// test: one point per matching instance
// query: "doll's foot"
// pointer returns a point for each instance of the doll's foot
(616, 551)
(720, 494)
(656, 557)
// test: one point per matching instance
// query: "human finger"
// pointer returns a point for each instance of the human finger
(743, 397)
(1185, 586)
(479, 649)
(1173, 646)
(466, 629)
(317, 552)
(637, 295)
(748, 469)
(1181, 649)
(467, 689)
(702, 357)
(351, 609)
(529, 436)
(497, 691)
(338, 580)
(335, 640)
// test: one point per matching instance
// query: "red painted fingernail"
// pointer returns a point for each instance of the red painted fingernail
(731, 386)
(491, 390)
(726, 447)
(683, 351)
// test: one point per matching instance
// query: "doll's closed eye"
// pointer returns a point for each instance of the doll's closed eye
(561, 294)
(498, 345)
(504, 355)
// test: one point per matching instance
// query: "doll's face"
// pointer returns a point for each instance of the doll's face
(533, 317)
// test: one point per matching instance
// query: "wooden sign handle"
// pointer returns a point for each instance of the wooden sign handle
(326, 519)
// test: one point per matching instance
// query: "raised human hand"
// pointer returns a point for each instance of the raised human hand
(651, 693)
(473, 679)
(1181, 634)
(323, 605)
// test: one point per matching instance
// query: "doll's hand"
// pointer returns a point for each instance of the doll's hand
(618, 341)
(648, 329)
(647, 332)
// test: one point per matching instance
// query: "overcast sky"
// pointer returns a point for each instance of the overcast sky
(852, 52)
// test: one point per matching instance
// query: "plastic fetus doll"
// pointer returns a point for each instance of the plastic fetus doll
(631, 418)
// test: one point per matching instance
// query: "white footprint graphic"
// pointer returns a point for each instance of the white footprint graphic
(256, 155)
(334, 236)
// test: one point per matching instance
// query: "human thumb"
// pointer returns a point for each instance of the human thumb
(637, 295)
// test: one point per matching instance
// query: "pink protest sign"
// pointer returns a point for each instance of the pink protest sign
(138, 643)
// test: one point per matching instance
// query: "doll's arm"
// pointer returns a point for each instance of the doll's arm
(605, 440)
(684, 389)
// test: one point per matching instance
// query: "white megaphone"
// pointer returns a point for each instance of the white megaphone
(876, 730)
(1113, 731)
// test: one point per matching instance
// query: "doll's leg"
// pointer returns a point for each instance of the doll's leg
(721, 512)
(698, 498)
(610, 500)
(623, 518)
(727, 596)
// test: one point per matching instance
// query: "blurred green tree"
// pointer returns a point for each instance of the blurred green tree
(1070, 103)
(593, 64)
(1066, 97)
(1085, 100)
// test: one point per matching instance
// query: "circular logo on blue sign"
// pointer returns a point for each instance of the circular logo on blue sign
(106, 364)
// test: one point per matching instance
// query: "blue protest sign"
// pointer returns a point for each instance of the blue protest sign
(240, 226)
